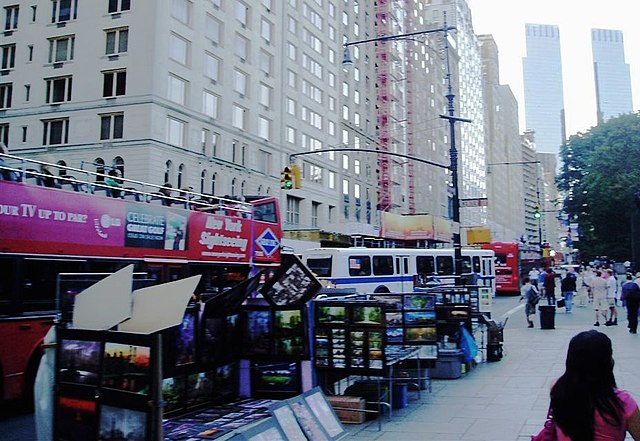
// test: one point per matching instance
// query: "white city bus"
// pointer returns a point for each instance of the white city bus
(381, 270)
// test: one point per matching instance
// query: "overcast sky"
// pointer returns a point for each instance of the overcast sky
(505, 20)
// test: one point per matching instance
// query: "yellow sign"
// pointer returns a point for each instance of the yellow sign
(478, 235)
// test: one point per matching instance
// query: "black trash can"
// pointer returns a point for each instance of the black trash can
(547, 316)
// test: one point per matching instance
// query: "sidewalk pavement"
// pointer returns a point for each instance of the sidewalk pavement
(505, 400)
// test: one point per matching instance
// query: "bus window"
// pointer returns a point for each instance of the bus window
(320, 267)
(265, 212)
(39, 282)
(444, 265)
(425, 265)
(477, 266)
(466, 264)
(359, 266)
(383, 265)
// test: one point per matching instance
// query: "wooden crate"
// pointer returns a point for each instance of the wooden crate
(341, 405)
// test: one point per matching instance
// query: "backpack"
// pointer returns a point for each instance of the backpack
(533, 297)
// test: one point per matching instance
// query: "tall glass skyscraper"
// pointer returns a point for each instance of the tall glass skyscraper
(611, 73)
(543, 93)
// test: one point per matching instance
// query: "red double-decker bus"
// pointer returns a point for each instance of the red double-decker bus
(513, 262)
(45, 232)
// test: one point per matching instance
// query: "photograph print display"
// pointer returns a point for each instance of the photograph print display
(275, 377)
(330, 314)
(323, 411)
(173, 393)
(367, 315)
(395, 335)
(225, 382)
(122, 424)
(307, 420)
(199, 388)
(79, 361)
(420, 301)
(425, 334)
(126, 367)
(414, 318)
(186, 339)
(259, 332)
(289, 332)
(288, 421)
(220, 340)
(293, 285)
(76, 419)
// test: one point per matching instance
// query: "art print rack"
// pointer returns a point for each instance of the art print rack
(106, 385)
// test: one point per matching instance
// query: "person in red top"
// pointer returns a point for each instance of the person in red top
(585, 401)
(550, 286)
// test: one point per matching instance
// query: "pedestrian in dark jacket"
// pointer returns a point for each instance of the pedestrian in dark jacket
(550, 286)
(568, 289)
(631, 296)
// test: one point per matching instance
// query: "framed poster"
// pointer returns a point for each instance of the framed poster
(289, 333)
(330, 313)
(75, 418)
(307, 420)
(367, 315)
(323, 411)
(173, 394)
(259, 332)
(275, 378)
(292, 285)
(123, 424)
(79, 361)
(283, 413)
(126, 367)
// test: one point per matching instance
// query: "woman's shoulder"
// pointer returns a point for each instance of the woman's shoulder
(628, 402)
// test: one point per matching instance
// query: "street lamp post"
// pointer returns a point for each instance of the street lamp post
(450, 116)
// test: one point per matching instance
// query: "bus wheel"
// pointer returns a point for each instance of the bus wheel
(381, 290)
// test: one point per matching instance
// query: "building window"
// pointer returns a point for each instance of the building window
(59, 90)
(205, 139)
(266, 62)
(241, 12)
(293, 210)
(11, 17)
(111, 126)
(264, 128)
(119, 6)
(315, 208)
(6, 90)
(56, 131)
(61, 48)
(212, 67)
(4, 133)
(210, 104)
(27, 92)
(8, 56)
(114, 83)
(179, 49)
(239, 117)
(30, 52)
(266, 30)
(177, 90)
(240, 82)
(215, 140)
(290, 134)
(117, 41)
(264, 162)
(264, 95)
(175, 132)
(181, 10)
(64, 10)
(332, 180)
(241, 47)
(213, 30)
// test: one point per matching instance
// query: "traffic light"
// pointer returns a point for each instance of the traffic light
(295, 171)
(536, 212)
(286, 180)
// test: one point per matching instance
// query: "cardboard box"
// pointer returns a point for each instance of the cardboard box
(341, 405)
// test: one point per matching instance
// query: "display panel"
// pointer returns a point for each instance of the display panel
(225, 383)
(220, 340)
(199, 388)
(310, 425)
(259, 331)
(79, 361)
(228, 302)
(420, 301)
(415, 318)
(421, 335)
(330, 314)
(185, 339)
(173, 394)
(323, 411)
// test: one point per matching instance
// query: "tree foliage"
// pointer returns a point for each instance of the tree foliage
(600, 177)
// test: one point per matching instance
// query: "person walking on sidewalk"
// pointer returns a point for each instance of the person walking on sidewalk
(529, 293)
(631, 296)
(612, 292)
(598, 287)
(586, 403)
(568, 289)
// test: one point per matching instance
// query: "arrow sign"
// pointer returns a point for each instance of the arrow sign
(473, 202)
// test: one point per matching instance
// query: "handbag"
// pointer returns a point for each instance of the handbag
(560, 303)
(548, 432)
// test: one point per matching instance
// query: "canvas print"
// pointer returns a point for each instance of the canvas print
(80, 361)
(199, 388)
(259, 323)
(76, 419)
(413, 318)
(393, 318)
(225, 382)
(421, 335)
(367, 315)
(390, 301)
(122, 424)
(330, 314)
(288, 422)
(220, 340)
(395, 335)
(325, 414)
(420, 301)
(276, 376)
(293, 286)
(173, 393)
(186, 339)
(289, 332)
(308, 421)
(126, 367)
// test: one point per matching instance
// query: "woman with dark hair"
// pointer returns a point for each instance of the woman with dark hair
(585, 402)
